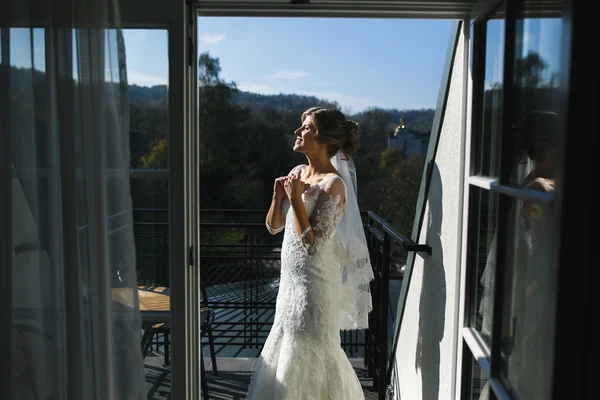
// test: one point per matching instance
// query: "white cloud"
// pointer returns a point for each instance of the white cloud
(207, 38)
(110, 74)
(142, 79)
(262, 89)
(288, 75)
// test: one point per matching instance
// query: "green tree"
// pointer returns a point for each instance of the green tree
(534, 85)
(158, 157)
(394, 194)
(375, 125)
(529, 71)
(216, 122)
(391, 160)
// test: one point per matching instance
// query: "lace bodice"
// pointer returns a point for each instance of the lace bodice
(325, 204)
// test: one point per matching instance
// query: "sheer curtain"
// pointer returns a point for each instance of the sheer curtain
(67, 227)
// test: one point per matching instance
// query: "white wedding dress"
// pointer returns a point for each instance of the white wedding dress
(302, 358)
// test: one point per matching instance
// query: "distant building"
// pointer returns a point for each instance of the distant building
(413, 142)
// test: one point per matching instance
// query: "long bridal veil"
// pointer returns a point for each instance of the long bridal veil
(355, 261)
(67, 232)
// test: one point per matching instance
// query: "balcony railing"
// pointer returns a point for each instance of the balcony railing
(240, 267)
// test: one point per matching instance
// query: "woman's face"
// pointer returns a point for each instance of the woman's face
(305, 141)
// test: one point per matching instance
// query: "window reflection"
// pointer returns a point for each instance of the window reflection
(487, 162)
(530, 300)
(536, 89)
(485, 263)
(480, 387)
(536, 137)
(530, 282)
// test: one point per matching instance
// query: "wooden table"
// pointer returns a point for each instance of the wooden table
(154, 301)
(155, 308)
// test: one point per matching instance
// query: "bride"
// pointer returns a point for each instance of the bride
(325, 268)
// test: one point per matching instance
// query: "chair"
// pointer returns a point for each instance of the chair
(163, 328)
(206, 318)
(153, 330)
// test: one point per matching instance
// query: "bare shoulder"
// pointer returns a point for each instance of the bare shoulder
(297, 169)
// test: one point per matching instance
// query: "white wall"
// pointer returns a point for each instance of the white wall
(425, 357)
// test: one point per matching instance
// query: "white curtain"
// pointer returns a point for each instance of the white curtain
(65, 136)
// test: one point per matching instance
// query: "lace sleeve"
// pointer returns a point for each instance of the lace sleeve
(326, 215)
(285, 206)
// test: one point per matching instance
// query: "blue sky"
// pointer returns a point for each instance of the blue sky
(540, 35)
(359, 63)
(356, 62)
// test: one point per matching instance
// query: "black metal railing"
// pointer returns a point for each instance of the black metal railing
(387, 248)
(240, 268)
(151, 232)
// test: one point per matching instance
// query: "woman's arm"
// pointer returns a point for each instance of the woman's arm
(275, 221)
(275, 218)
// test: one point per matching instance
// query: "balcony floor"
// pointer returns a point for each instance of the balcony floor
(231, 383)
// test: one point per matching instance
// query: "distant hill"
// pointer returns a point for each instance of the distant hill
(157, 96)
(282, 102)
(143, 95)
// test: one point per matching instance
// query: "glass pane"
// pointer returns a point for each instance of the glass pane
(530, 287)
(537, 91)
(483, 261)
(487, 159)
(479, 388)
(530, 296)
(147, 76)
(39, 344)
(106, 258)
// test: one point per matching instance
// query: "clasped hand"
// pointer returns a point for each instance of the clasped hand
(290, 186)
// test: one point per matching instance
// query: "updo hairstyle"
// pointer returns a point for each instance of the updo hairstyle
(334, 130)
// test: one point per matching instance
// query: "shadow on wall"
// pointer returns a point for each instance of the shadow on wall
(432, 304)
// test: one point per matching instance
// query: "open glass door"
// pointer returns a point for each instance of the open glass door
(161, 72)
(99, 215)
